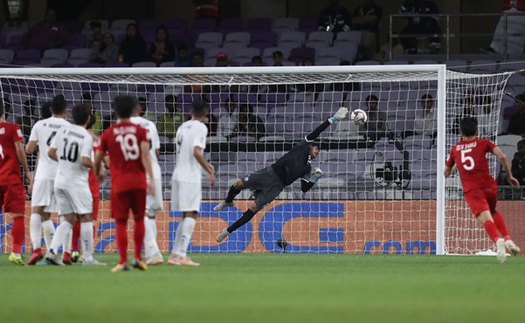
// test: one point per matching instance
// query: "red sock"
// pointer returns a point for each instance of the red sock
(501, 225)
(139, 237)
(492, 230)
(18, 232)
(122, 240)
(75, 236)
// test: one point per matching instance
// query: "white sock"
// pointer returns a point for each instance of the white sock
(188, 225)
(150, 244)
(86, 236)
(60, 235)
(67, 242)
(35, 230)
(49, 231)
(153, 223)
(178, 239)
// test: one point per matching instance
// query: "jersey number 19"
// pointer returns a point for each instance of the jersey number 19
(129, 146)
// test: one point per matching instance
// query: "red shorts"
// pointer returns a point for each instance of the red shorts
(483, 199)
(122, 202)
(13, 198)
(96, 206)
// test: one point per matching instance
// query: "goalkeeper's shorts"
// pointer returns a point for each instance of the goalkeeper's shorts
(265, 185)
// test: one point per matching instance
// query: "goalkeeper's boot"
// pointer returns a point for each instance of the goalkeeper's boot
(222, 205)
(16, 259)
(66, 259)
(155, 260)
(514, 250)
(120, 267)
(51, 258)
(36, 256)
(501, 253)
(139, 264)
(75, 256)
(221, 236)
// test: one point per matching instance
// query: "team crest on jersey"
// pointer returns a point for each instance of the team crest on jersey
(2, 131)
(19, 132)
(246, 178)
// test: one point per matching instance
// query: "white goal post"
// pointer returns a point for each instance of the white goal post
(379, 193)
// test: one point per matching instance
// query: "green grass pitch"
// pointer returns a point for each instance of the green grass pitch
(271, 288)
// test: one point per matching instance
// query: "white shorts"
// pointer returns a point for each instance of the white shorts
(155, 203)
(44, 194)
(186, 196)
(79, 201)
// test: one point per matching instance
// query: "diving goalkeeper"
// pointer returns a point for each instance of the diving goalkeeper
(267, 183)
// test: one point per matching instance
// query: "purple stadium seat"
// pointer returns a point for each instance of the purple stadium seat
(297, 55)
(260, 38)
(281, 25)
(237, 39)
(179, 25)
(291, 39)
(262, 24)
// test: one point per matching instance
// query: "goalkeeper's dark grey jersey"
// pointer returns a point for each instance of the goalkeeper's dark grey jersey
(294, 164)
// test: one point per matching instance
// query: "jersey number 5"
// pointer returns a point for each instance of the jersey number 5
(129, 146)
(467, 161)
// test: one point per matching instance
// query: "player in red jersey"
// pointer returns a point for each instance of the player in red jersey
(128, 148)
(479, 187)
(12, 192)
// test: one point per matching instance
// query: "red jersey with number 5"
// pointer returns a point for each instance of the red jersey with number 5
(470, 158)
(9, 165)
(122, 142)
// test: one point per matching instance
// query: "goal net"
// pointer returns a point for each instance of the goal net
(382, 189)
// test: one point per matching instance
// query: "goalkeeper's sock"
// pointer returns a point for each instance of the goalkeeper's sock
(18, 232)
(49, 231)
(75, 236)
(35, 230)
(501, 225)
(122, 240)
(178, 238)
(232, 193)
(86, 232)
(492, 230)
(188, 225)
(245, 218)
(138, 237)
(60, 235)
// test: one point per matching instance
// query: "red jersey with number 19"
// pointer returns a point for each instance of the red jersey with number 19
(9, 164)
(471, 160)
(122, 142)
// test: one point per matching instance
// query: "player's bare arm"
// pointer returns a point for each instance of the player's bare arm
(87, 162)
(22, 158)
(31, 147)
(506, 165)
(146, 162)
(52, 153)
(99, 156)
(197, 153)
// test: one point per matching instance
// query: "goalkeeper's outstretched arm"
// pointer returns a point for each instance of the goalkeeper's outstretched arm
(338, 116)
(308, 182)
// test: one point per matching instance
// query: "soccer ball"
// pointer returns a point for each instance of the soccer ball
(358, 116)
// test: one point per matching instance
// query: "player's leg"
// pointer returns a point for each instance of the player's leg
(490, 227)
(88, 241)
(66, 252)
(12, 197)
(245, 218)
(120, 206)
(153, 205)
(75, 237)
(138, 207)
(492, 198)
(60, 236)
(50, 207)
(235, 189)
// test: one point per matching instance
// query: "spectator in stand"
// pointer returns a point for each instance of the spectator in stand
(228, 119)
(256, 61)
(426, 122)
(375, 128)
(169, 122)
(197, 59)
(144, 110)
(248, 124)
(366, 20)
(222, 60)
(420, 25)
(29, 118)
(46, 34)
(334, 18)
(182, 59)
(133, 47)
(96, 38)
(518, 163)
(88, 100)
(517, 121)
(277, 57)
(162, 49)
(512, 25)
(106, 52)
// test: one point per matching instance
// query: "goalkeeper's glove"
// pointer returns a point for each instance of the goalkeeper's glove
(316, 174)
(339, 115)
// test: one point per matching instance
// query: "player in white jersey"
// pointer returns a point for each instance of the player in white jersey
(72, 148)
(42, 196)
(154, 202)
(186, 191)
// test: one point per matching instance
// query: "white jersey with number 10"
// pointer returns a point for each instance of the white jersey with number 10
(189, 135)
